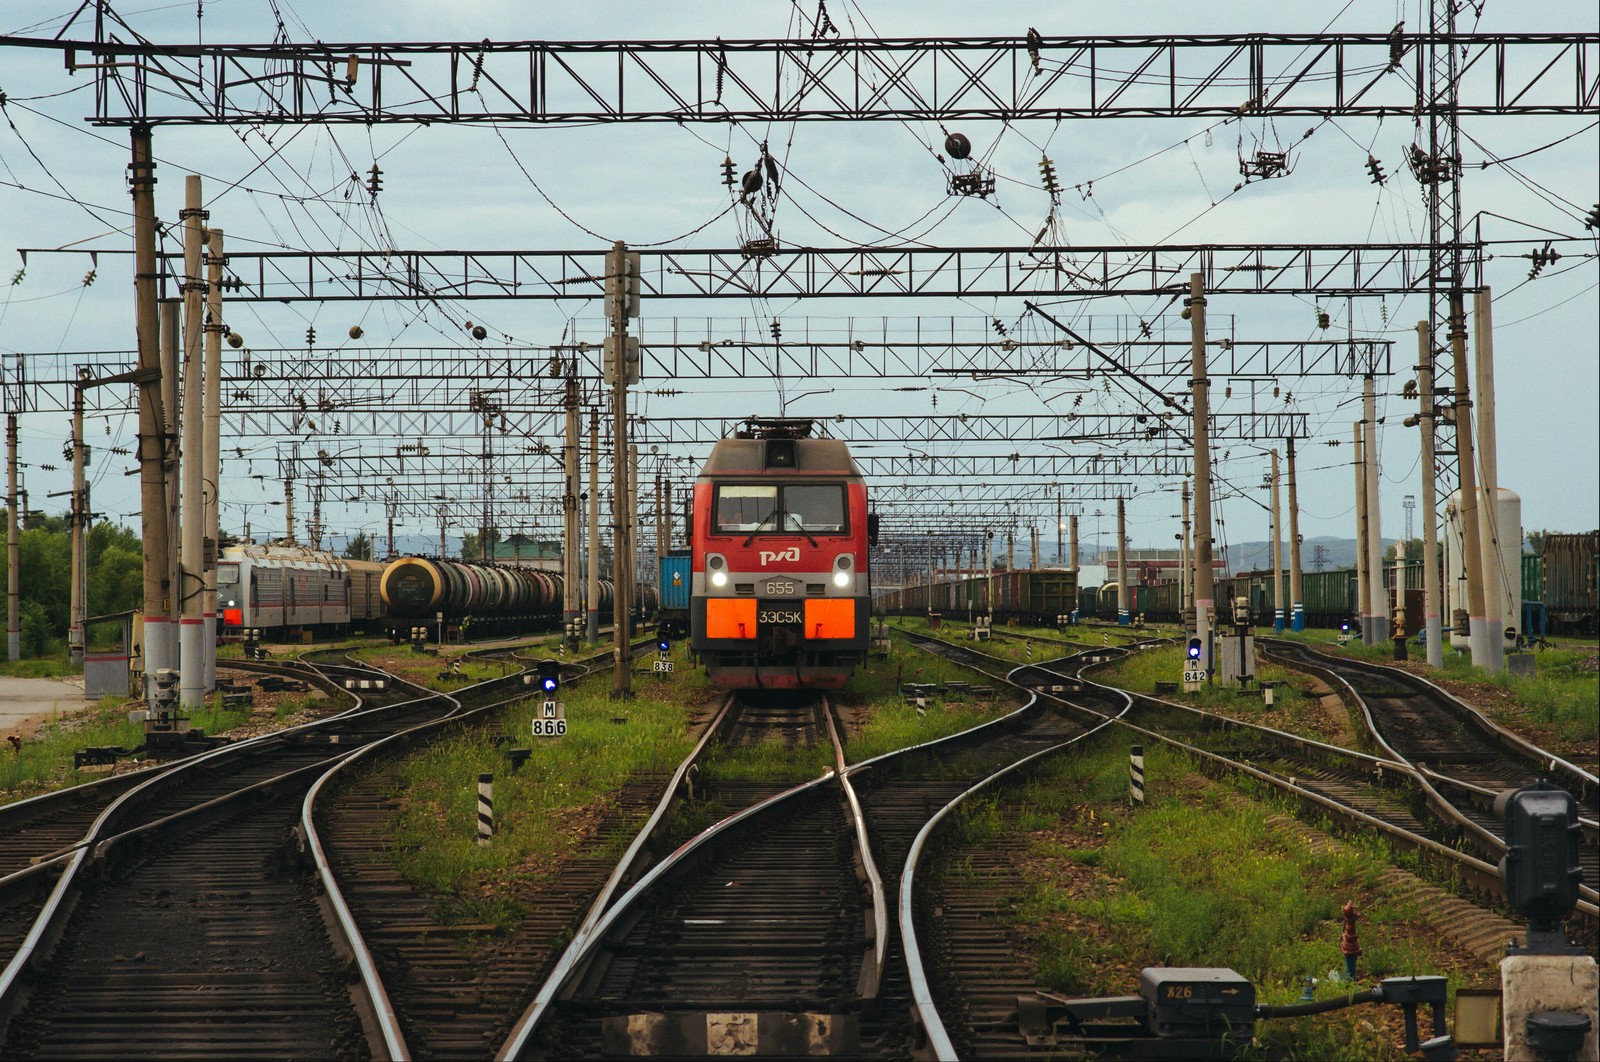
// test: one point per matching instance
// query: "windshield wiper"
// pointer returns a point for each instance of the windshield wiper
(759, 526)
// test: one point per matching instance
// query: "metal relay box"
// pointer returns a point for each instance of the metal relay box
(1193, 1002)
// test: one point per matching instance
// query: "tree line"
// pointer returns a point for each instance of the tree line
(115, 578)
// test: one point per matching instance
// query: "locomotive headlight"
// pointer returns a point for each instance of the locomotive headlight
(843, 575)
(719, 578)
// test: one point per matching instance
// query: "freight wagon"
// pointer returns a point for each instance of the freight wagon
(1031, 597)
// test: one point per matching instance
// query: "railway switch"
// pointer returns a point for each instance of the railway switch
(1209, 1012)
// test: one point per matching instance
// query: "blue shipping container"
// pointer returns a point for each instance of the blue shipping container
(675, 580)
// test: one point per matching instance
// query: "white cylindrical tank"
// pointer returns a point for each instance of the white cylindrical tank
(1509, 514)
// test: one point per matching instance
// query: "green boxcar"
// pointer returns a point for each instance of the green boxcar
(1532, 577)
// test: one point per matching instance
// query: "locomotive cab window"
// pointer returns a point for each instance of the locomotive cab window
(227, 573)
(817, 508)
(746, 507)
(792, 509)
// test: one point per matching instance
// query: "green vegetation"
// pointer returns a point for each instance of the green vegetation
(1141, 671)
(45, 761)
(115, 578)
(542, 810)
(54, 665)
(1199, 877)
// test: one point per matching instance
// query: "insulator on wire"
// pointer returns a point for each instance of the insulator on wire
(751, 182)
(727, 172)
(958, 146)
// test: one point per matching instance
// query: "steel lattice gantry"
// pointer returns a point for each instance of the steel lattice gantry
(986, 428)
(1036, 76)
(441, 379)
(1327, 270)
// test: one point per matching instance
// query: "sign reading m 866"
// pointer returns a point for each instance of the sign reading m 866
(550, 720)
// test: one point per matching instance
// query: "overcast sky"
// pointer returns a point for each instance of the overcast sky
(1154, 180)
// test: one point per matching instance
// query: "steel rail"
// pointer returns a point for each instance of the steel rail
(580, 950)
(926, 1009)
(1587, 780)
(1589, 902)
(871, 983)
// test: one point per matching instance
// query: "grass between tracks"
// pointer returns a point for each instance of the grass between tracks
(553, 805)
(1200, 876)
(45, 761)
(1293, 705)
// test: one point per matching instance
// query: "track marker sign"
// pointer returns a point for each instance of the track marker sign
(550, 720)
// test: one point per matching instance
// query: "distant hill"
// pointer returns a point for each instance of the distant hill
(1337, 553)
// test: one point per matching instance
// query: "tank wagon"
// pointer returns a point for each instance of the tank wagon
(780, 592)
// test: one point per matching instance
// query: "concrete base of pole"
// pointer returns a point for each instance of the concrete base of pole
(191, 664)
(1297, 621)
(1537, 983)
(591, 631)
(1478, 641)
(1277, 621)
(13, 645)
(160, 651)
(1122, 618)
(1434, 629)
(1494, 644)
(1202, 631)
(1380, 630)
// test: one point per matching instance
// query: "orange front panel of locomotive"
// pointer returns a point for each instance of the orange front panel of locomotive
(730, 618)
(833, 617)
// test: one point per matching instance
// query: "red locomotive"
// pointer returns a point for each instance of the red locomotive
(780, 596)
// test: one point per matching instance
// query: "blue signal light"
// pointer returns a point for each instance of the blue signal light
(1194, 648)
(664, 645)
(549, 675)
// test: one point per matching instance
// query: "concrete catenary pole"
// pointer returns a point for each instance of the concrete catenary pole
(661, 522)
(592, 598)
(570, 590)
(1496, 580)
(622, 664)
(633, 540)
(1434, 629)
(212, 477)
(1379, 595)
(1185, 578)
(1122, 563)
(77, 594)
(1277, 551)
(1060, 529)
(1204, 590)
(172, 407)
(191, 646)
(1297, 606)
(1471, 544)
(158, 641)
(1074, 554)
(13, 547)
(1363, 584)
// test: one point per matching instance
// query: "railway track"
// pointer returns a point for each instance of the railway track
(975, 985)
(194, 860)
(1460, 760)
(773, 929)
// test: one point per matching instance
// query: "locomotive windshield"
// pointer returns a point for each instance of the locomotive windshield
(750, 508)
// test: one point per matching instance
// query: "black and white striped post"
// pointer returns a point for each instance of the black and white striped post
(485, 808)
(1136, 775)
